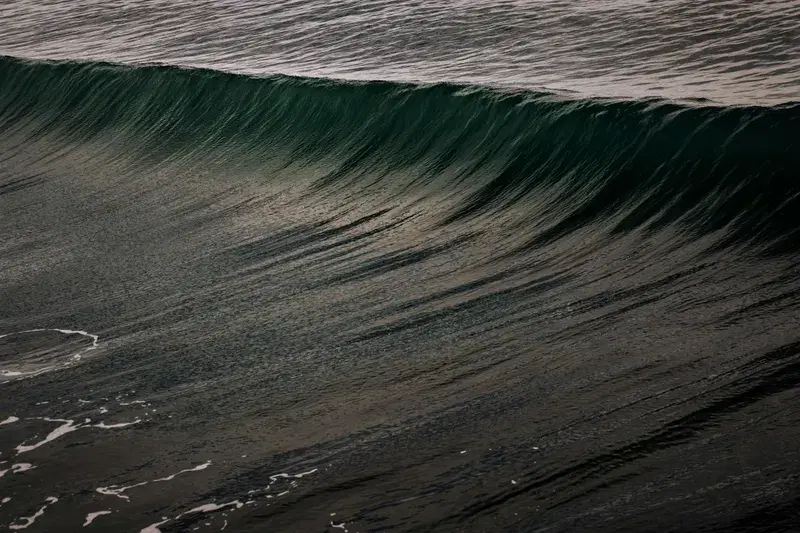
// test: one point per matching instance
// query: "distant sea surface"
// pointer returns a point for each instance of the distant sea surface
(372, 266)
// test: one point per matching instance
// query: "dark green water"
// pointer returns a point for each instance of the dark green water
(281, 303)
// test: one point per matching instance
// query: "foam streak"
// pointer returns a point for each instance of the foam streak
(92, 516)
(115, 490)
(29, 520)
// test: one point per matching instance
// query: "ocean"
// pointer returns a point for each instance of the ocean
(365, 266)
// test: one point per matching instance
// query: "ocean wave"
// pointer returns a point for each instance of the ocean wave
(636, 163)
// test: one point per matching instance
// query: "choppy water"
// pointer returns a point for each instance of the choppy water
(521, 266)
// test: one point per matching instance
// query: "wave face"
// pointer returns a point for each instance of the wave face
(388, 306)
(650, 163)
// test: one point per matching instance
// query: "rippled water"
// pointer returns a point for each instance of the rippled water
(732, 51)
(408, 266)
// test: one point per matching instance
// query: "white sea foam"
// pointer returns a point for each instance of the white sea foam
(282, 475)
(116, 490)
(212, 507)
(103, 425)
(207, 508)
(92, 516)
(17, 468)
(76, 356)
(68, 426)
(28, 521)
(95, 338)
(9, 420)
(274, 477)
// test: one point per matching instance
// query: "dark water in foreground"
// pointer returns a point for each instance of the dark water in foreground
(300, 305)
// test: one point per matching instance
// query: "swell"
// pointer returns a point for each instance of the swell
(563, 162)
